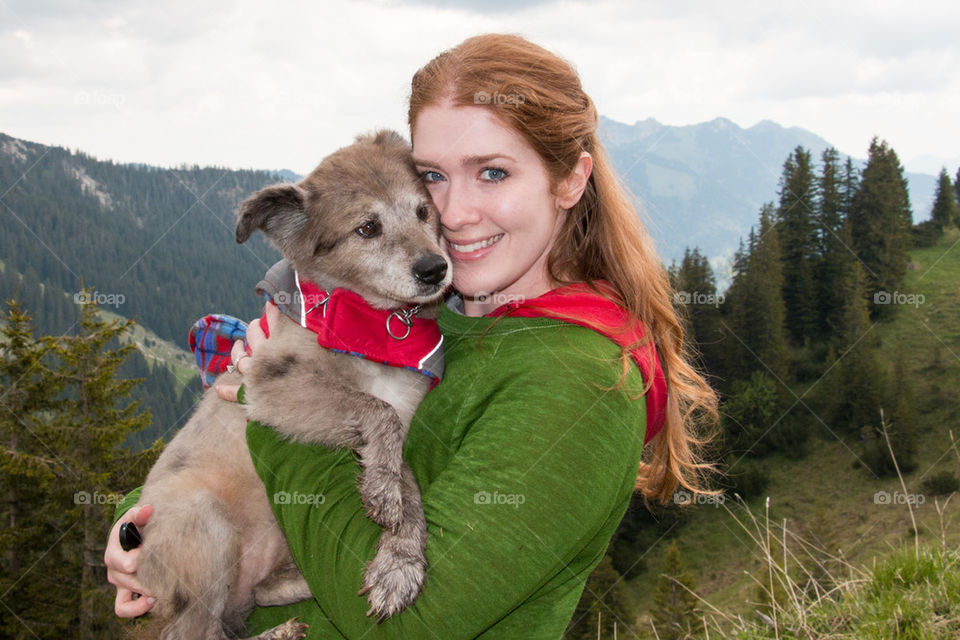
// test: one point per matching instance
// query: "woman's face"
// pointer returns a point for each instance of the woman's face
(499, 215)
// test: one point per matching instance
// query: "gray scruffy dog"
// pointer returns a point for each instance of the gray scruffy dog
(363, 221)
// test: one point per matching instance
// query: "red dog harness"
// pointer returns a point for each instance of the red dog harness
(344, 322)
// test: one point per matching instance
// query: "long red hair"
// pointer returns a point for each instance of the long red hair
(539, 95)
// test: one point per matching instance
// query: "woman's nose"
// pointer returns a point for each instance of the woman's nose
(460, 208)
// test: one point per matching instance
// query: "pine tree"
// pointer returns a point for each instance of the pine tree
(29, 467)
(675, 613)
(696, 289)
(880, 222)
(859, 378)
(944, 211)
(61, 467)
(835, 242)
(92, 430)
(756, 317)
(956, 187)
(602, 607)
(901, 423)
(749, 413)
(797, 229)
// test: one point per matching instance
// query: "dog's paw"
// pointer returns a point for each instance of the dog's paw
(289, 630)
(392, 582)
(382, 495)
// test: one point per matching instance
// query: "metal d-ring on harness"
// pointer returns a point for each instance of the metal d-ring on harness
(405, 316)
(322, 303)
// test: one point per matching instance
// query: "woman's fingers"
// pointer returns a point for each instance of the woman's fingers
(127, 605)
(239, 357)
(122, 567)
(226, 391)
(242, 356)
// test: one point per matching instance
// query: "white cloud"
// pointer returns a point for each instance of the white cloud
(250, 84)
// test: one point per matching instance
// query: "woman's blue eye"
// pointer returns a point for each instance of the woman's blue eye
(493, 174)
(431, 176)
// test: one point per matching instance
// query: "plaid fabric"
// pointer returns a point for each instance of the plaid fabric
(211, 339)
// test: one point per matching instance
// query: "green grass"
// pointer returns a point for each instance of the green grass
(158, 351)
(827, 500)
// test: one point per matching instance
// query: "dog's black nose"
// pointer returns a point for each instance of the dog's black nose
(430, 269)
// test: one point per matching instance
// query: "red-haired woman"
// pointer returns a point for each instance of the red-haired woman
(563, 356)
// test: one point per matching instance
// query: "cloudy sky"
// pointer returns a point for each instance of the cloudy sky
(240, 83)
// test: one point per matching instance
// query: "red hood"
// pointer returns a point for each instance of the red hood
(579, 304)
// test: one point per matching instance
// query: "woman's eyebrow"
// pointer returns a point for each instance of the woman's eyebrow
(474, 160)
(467, 161)
(425, 163)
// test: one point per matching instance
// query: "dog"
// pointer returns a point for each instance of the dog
(361, 223)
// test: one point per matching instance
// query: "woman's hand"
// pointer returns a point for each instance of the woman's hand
(132, 600)
(239, 356)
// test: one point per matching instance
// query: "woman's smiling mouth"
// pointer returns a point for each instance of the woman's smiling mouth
(475, 246)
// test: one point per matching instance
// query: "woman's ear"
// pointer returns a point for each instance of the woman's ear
(570, 189)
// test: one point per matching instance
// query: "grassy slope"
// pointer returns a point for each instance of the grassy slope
(823, 495)
(176, 357)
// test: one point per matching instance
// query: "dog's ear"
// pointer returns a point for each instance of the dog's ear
(387, 138)
(277, 211)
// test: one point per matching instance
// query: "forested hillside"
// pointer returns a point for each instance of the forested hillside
(154, 245)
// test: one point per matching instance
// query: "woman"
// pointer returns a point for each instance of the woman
(528, 452)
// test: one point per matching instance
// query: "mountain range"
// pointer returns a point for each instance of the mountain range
(702, 185)
(163, 238)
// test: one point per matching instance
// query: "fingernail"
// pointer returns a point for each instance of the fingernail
(151, 600)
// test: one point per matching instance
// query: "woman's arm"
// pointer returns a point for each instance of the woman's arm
(526, 505)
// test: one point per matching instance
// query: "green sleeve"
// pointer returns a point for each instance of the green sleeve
(126, 503)
(524, 509)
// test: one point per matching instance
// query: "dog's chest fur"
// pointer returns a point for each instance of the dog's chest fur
(293, 355)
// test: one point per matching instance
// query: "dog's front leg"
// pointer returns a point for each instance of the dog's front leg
(303, 401)
(306, 402)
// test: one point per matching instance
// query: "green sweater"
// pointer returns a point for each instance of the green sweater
(526, 458)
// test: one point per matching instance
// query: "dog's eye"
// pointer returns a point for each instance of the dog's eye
(369, 229)
(423, 212)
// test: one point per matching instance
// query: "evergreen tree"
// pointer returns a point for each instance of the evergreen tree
(756, 315)
(901, 422)
(880, 222)
(675, 613)
(99, 418)
(849, 187)
(749, 413)
(797, 229)
(944, 211)
(602, 607)
(956, 187)
(61, 465)
(696, 289)
(29, 467)
(834, 235)
(858, 378)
